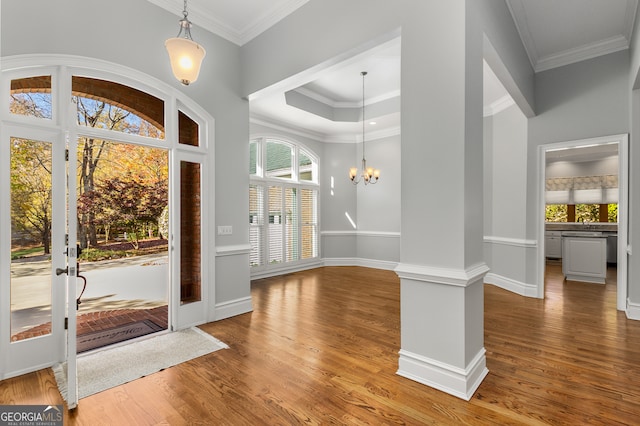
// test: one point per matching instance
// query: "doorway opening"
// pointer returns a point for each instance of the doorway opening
(122, 216)
(50, 115)
(583, 198)
(123, 233)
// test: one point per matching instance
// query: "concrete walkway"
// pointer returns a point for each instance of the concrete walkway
(136, 282)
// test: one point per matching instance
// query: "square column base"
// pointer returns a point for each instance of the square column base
(455, 381)
(442, 327)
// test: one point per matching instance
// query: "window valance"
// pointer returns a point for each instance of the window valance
(582, 190)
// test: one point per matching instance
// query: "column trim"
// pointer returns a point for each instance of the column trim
(456, 381)
(447, 276)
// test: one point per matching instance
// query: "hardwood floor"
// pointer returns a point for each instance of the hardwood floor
(321, 347)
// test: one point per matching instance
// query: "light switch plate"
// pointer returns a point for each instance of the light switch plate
(225, 230)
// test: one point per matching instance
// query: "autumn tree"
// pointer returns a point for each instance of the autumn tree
(31, 189)
(99, 114)
(126, 203)
(31, 171)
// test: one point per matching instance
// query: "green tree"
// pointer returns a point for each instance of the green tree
(31, 189)
(587, 212)
(556, 213)
(99, 114)
(612, 212)
(126, 203)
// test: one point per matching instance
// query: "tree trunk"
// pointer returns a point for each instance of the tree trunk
(46, 238)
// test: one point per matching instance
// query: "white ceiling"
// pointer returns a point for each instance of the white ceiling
(554, 33)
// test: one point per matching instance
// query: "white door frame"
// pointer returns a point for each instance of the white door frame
(623, 208)
(38, 352)
(62, 67)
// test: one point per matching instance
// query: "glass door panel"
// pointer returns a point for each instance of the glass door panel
(32, 296)
(31, 216)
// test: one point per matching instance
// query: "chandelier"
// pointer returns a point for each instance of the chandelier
(369, 174)
(185, 54)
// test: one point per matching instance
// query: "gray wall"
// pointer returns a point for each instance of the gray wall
(605, 166)
(509, 140)
(505, 195)
(582, 100)
(292, 47)
(132, 33)
(634, 175)
(375, 209)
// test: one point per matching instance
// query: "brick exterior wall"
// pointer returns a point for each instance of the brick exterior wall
(190, 233)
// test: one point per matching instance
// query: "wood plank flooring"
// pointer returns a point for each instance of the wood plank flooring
(321, 347)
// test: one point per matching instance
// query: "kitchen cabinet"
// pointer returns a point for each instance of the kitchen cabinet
(584, 257)
(612, 247)
(553, 244)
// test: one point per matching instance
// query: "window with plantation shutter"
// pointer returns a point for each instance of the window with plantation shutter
(275, 224)
(283, 203)
(291, 223)
(309, 216)
(256, 224)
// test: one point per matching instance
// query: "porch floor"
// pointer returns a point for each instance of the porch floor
(103, 320)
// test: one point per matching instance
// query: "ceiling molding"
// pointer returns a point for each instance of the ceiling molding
(240, 36)
(516, 7)
(380, 134)
(580, 53)
(263, 23)
(305, 133)
(630, 19)
(498, 106)
(320, 137)
(323, 99)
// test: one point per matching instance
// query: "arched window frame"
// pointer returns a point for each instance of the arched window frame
(260, 232)
(62, 68)
(296, 147)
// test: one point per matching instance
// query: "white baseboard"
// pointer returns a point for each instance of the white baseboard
(455, 381)
(286, 269)
(232, 308)
(355, 261)
(16, 373)
(514, 286)
(633, 310)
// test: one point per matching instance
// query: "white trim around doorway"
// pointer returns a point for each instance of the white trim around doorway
(623, 207)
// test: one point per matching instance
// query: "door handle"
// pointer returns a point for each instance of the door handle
(60, 271)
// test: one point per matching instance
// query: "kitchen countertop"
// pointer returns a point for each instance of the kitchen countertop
(584, 234)
(579, 226)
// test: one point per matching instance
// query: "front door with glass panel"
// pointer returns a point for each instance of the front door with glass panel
(33, 214)
(44, 169)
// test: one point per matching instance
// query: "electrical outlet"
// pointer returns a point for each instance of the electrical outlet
(225, 230)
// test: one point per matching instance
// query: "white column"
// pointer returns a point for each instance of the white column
(441, 263)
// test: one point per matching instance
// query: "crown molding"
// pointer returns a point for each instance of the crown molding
(581, 53)
(322, 137)
(498, 106)
(283, 127)
(239, 36)
(570, 56)
(516, 7)
(345, 104)
(263, 23)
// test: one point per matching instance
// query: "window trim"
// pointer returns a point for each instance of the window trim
(295, 166)
(261, 180)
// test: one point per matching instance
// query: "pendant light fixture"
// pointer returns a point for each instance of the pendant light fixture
(185, 54)
(369, 174)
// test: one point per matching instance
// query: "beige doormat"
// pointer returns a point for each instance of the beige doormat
(102, 370)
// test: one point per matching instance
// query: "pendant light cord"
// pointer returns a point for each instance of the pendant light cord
(363, 74)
